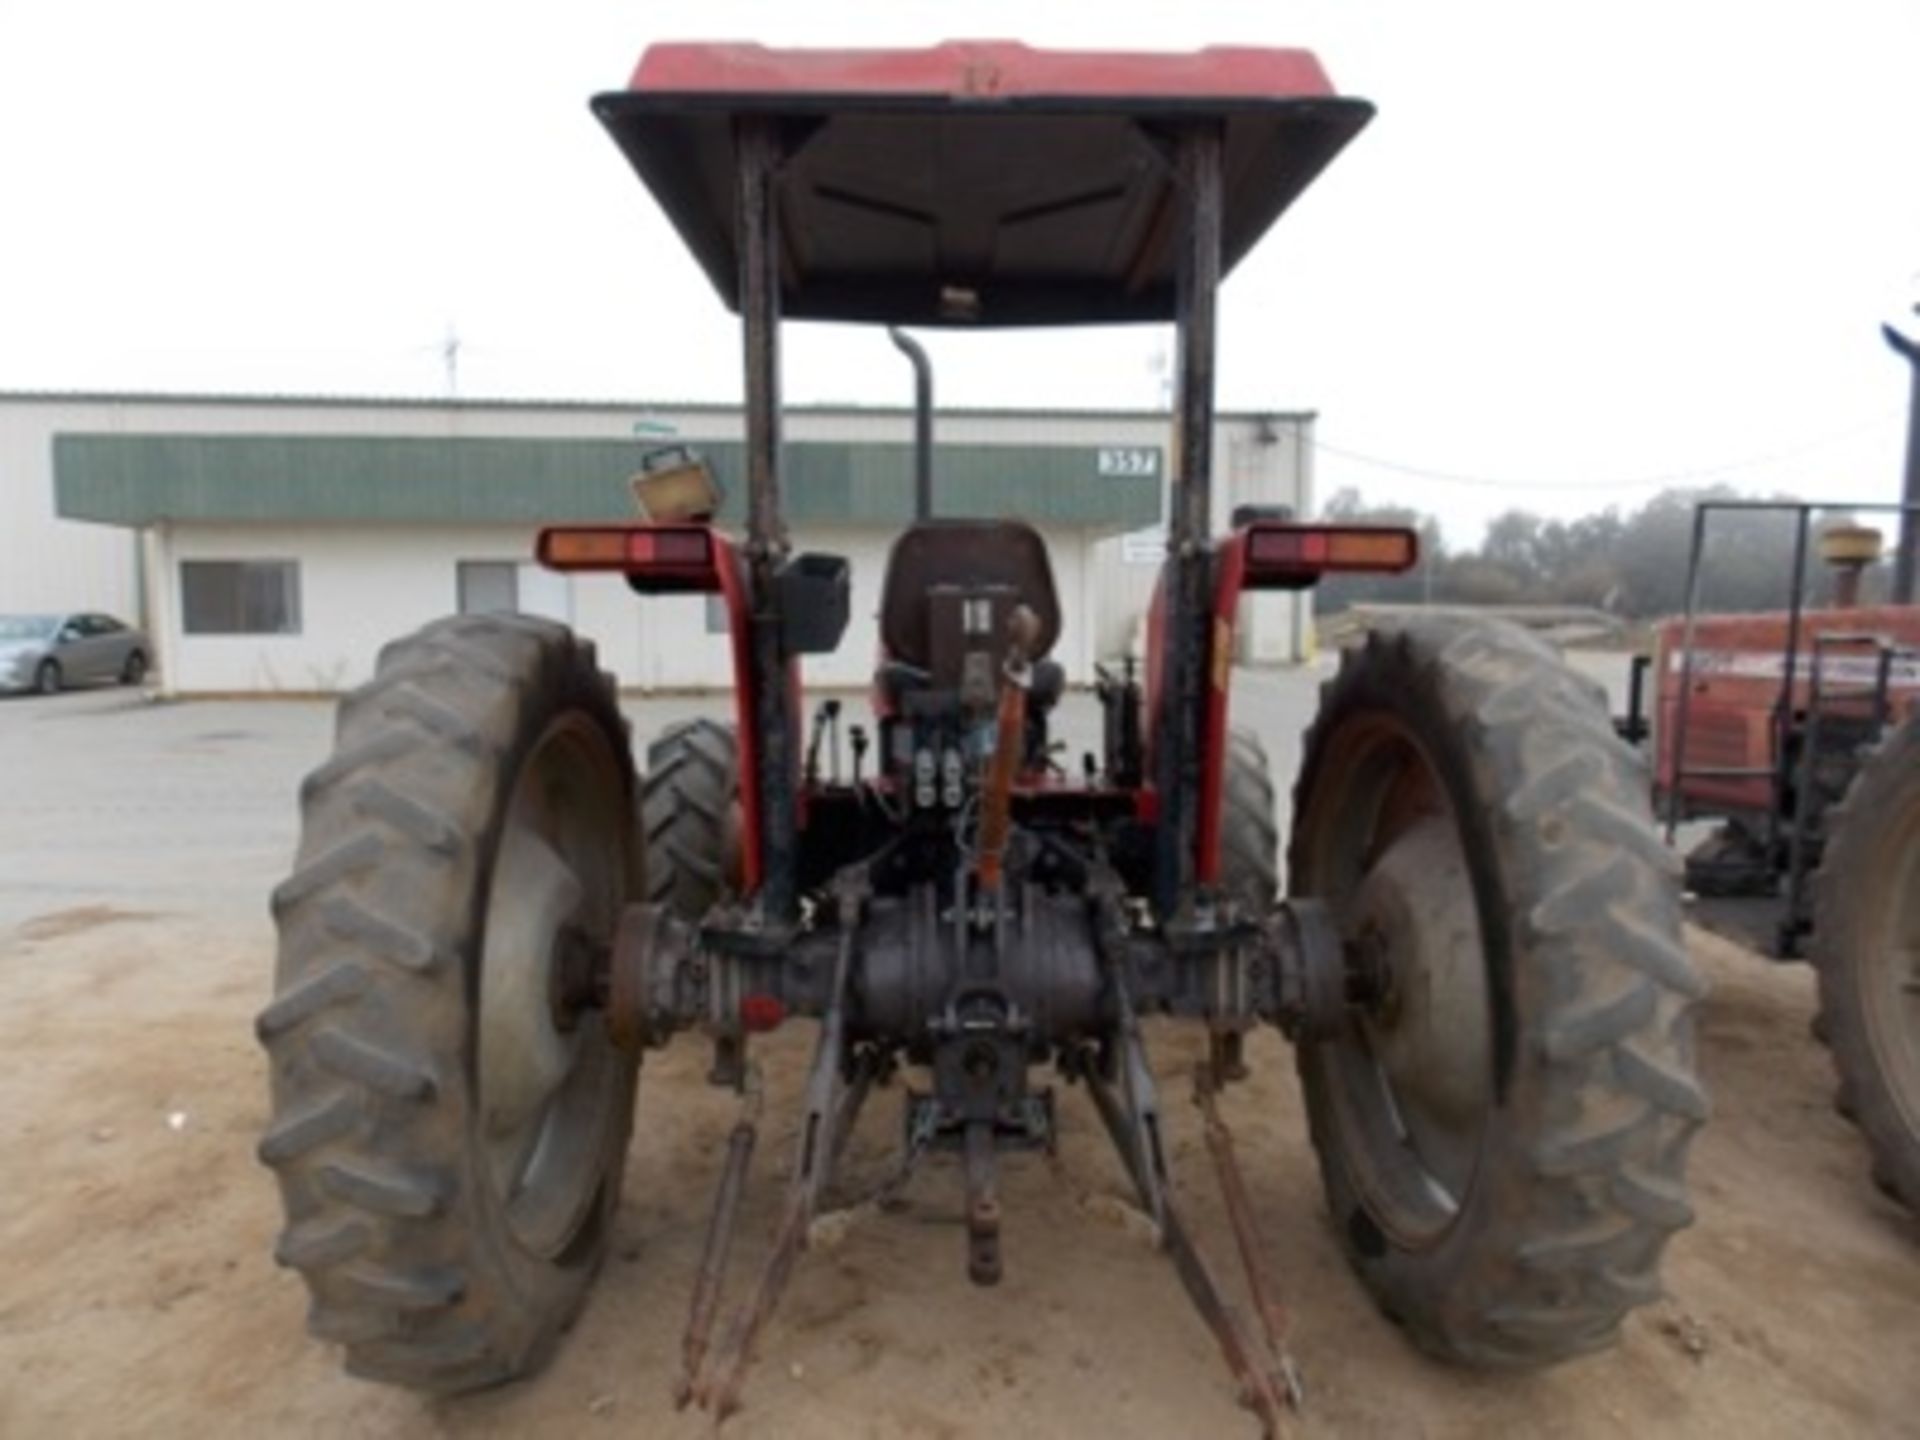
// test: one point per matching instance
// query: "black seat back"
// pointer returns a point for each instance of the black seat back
(968, 555)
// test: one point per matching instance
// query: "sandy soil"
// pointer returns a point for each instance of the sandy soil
(137, 1297)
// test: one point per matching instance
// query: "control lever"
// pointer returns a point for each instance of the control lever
(996, 792)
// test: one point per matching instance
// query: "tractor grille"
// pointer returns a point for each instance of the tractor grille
(1726, 738)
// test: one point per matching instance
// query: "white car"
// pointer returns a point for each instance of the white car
(49, 652)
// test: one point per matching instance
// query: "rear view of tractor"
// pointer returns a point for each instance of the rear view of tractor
(493, 916)
(1797, 734)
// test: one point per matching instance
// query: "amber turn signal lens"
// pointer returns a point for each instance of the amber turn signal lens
(584, 548)
(1371, 549)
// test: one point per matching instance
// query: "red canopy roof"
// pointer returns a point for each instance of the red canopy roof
(979, 183)
(982, 70)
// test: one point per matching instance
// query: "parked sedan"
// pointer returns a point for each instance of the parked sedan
(47, 652)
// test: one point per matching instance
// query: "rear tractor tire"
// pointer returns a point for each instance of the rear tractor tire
(689, 814)
(1866, 948)
(449, 1120)
(1249, 835)
(1503, 1127)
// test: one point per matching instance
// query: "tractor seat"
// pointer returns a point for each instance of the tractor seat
(963, 555)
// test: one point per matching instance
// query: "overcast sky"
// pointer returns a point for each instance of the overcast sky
(1582, 248)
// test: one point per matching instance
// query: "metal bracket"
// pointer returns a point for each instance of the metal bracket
(1308, 971)
(653, 978)
(705, 1304)
(1132, 1119)
(837, 1086)
(978, 1133)
(1273, 1317)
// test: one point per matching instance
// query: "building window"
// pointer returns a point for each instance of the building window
(719, 622)
(488, 587)
(240, 597)
(508, 587)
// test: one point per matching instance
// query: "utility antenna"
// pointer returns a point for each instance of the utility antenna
(450, 357)
(1160, 366)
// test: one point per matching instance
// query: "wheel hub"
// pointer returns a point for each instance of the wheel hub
(1418, 1050)
(544, 1068)
(536, 900)
(1414, 918)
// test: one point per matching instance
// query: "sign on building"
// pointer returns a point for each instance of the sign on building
(1129, 460)
(1144, 547)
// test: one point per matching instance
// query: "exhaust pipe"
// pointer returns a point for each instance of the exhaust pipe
(1906, 559)
(922, 420)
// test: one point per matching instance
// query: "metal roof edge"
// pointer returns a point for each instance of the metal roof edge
(483, 404)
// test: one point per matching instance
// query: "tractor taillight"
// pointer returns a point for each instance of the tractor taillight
(583, 549)
(1283, 555)
(653, 557)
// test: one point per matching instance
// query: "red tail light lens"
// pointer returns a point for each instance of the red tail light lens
(667, 547)
(1296, 554)
(653, 557)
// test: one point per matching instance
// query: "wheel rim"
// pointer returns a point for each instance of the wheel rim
(49, 679)
(1410, 1082)
(1890, 965)
(549, 1089)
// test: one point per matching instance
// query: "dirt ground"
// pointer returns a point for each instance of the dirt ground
(137, 1297)
(137, 845)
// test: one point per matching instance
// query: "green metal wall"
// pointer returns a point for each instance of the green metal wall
(124, 479)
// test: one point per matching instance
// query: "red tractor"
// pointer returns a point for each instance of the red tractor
(492, 917)
(1797, 733)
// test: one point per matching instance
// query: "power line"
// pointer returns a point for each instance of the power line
(1638, 482)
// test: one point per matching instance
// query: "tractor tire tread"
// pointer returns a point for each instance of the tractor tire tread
(686, 803)
(296, 1132)
(405, 946)
(1249, 830)
(370, 1133)
(1860, 858)
(336, 984)
(317, 1244)
(1604, 1044)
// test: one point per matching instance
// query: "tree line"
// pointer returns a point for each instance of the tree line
(1631, 563)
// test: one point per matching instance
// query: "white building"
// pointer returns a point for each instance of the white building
(273, 545)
